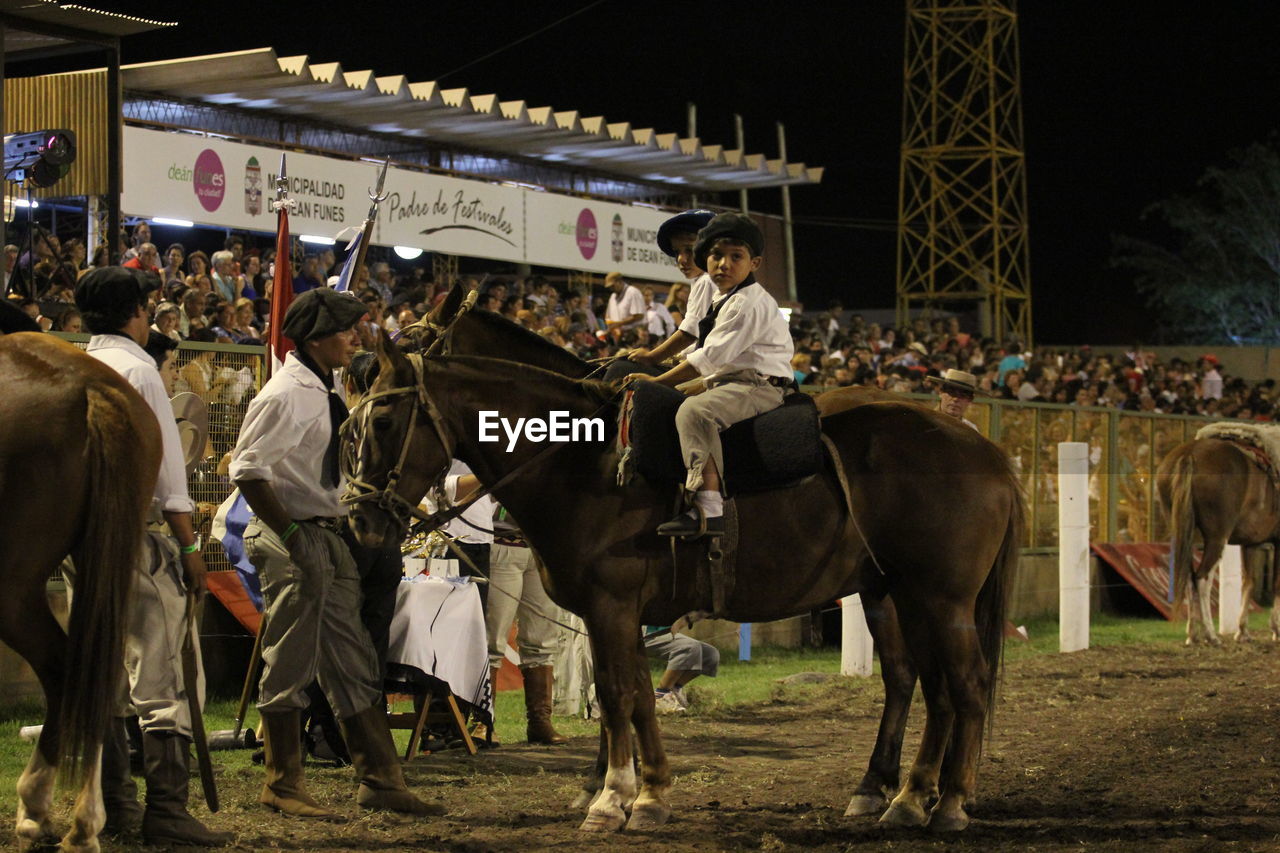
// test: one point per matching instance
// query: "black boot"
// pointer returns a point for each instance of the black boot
(167, 763)
(119, 791)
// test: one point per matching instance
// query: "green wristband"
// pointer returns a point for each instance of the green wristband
(190, 549)
(289, 531)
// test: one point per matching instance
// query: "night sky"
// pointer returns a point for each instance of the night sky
(1124, 104)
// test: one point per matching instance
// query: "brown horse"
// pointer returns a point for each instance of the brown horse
(79, 454)
(1215, 488)
(602, 560)
(454, 327)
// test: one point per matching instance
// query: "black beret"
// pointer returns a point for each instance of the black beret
(734, 226)
(691, 222)
(108, 289)
(321, 312)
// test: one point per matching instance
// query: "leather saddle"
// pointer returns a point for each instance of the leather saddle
(778, 448)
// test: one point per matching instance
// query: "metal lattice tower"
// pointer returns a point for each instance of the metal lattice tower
(962, 188)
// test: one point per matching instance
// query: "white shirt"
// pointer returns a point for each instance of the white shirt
(283, 441)
(750, 333)
(621, 306)
(701, 293)
(479, 513)
(658, 319)
(131, 361)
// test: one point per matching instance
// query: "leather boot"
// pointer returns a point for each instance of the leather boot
(373, 754)
(539, 685)
(284, 789)
(119, 791)
(166, 763)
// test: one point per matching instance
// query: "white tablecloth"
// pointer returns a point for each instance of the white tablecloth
(438, 630)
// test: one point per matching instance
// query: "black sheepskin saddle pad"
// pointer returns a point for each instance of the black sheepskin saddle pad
(775, 449)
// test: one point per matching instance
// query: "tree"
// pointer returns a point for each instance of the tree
(1214, 277)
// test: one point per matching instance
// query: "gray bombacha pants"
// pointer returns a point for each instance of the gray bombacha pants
(311, 594)
(729, 398)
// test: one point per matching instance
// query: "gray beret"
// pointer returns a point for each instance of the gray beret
(734, 226)
(320, 312)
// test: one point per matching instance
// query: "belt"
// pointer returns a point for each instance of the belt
(325, 521)
(781, 381)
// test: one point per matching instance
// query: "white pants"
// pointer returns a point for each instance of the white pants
(516, 593)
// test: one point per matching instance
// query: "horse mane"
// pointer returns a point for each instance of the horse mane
(592, 390)
(506, 327)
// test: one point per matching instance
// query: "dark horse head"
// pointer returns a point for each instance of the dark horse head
(390, 463)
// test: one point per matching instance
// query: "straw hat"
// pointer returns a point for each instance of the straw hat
(193, 426)
(956, 380)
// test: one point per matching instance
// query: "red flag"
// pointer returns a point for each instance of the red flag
(281, 294)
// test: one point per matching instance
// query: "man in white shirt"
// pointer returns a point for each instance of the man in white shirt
(286, 465)
(656, 316)
(743, 355)
(113, 302)
(626, 305)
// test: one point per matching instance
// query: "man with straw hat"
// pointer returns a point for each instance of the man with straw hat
(955, 392)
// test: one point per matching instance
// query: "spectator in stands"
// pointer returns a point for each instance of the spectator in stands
(626, 304)
(174, 256)
(1211, 379)
(147, 259)
(226, 282)
(197, 265)
(164, 350)
(168, 318)
(235, 245)
(309, 278)
(68, 320)
(658, 320)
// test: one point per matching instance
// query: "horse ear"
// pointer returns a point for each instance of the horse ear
(391, 360)
(443, 313)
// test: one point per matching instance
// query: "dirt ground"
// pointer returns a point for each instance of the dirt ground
(1125, 748)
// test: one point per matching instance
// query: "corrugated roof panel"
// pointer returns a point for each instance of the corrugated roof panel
(259, 79)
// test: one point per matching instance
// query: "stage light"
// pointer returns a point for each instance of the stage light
(22, 202)
(408, 252)
(319, 241)
(181, 223)
(44, 157)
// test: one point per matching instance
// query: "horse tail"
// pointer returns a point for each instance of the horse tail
(116, 468)
(992, 601)
(1183, 521)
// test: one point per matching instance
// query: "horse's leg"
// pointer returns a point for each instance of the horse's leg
(595, 782)
(899, 676)
(615, 639)
(968, 678)
(29, 628)
(908, 807)
(1248, 575)
(1200, 627)
(650, 809)
(89, 816)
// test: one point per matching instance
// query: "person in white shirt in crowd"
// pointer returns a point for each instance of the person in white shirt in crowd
(626, 304)
(286, 466)
(956, 390)
(113, 303)
(743, 356)
(1211, 383)
(676, 239)
(656, 317)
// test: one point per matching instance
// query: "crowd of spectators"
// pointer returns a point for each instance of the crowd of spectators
(225, 297)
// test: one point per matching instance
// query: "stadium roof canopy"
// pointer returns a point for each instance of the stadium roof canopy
(292, 85)
(34, 29)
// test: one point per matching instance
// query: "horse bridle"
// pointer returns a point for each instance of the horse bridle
(387, 498)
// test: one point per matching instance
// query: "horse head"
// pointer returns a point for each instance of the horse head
(389, 462)
(423, 335)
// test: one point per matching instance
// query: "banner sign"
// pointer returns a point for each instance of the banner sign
(227, 184)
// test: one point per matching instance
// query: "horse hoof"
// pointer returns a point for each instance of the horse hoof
(904, 814)
(1242, 637)
(648, 816)
(36, 836)
(949, 822)
(603, 822)
(865, 804)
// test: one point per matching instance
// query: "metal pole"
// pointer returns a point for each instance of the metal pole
(693, 132)
(742, 146)
(788, 240)
(115, 172)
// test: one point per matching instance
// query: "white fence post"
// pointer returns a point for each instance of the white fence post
(1073, 546)
(855, 638)
(1230, 588)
